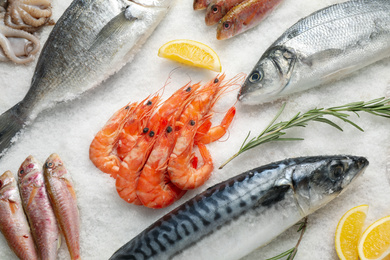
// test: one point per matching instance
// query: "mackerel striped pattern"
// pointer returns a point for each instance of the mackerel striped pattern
(207, 212)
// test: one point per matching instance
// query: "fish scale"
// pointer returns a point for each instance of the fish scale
(254, 207)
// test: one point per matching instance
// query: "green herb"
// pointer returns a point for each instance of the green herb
(275, 131)
(293, 251)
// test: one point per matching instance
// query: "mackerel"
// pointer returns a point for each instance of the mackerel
(320, 48)
(91, 41)
(231, 219)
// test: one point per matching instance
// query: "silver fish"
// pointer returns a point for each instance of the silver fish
(92, 40)
(231, 219)
(63, 199)
(325, 46)
(38, 209)
(13, 222)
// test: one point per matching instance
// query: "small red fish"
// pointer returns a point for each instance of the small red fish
(244, 16)
(218, 9)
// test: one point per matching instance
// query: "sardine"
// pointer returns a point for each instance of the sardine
(63, 199)
(37, 206)
(13, 222)
(325, 46)
(244, 16)
(92, 40)
(217, 9)
(231, 219)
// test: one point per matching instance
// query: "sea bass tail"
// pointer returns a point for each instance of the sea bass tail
(11, 122)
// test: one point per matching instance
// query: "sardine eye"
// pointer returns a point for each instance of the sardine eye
(255, 76)
(227, 25)
(169, 129)
(145, 130)
(215, 9)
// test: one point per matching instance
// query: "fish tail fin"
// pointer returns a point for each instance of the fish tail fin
(11, 122)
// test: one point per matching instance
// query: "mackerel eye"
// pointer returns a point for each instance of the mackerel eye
(227, 25)
(336, 171)
(215, 9)
(255, 76)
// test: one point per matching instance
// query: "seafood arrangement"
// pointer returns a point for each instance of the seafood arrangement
(49, 202)
(235, 16)
(149, 146)
(272, 197)
(319, 49)
(108, 221)
(18, 20)
(68, 66)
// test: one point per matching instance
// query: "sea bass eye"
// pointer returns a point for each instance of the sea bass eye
(255, 76)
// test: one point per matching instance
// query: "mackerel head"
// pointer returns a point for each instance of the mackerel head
(91, 41)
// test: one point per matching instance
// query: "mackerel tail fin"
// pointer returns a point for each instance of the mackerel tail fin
(11, 122)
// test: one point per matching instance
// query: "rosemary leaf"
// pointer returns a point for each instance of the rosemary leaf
(274, 131)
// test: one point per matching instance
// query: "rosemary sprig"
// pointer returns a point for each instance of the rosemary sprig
(275, 131)
(293, 251)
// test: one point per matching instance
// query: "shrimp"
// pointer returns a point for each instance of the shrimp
(135, 159)
(196, 129)
(154, 188)
(101, 150)
(181, 170)
(135, 125)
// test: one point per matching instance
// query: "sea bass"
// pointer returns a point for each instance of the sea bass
(13, 222)
(63, 198)
(92, 40)
(231, 219)
(37, 206)
(324, 46)
(244, 16)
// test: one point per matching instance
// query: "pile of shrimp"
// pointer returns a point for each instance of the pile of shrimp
(148, 146)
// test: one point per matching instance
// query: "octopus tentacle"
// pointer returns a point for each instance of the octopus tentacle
(7, 45)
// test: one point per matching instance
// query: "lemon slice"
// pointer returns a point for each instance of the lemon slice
(191, 53)
(375, 241)
(348, 232)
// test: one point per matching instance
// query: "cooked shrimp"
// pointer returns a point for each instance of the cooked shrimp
(131, 166)
(181, 168)
(101, 150)
(154, 188)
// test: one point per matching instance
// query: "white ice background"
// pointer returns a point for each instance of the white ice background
(108, 222)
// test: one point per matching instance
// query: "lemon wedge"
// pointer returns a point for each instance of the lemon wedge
(348, 232)
(191, 53)
(375, 241)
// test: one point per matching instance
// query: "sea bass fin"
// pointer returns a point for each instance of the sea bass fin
(113, 27)
(11, 122)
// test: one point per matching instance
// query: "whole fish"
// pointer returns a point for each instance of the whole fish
(231, 219)
(201, 4)
(13, 222)
(244, 16)
(63, 198)
(324, 46)
(217, 9)
(92, 40)
(37, 206)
